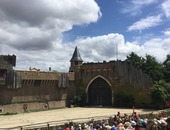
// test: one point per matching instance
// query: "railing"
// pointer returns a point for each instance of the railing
(53, 125)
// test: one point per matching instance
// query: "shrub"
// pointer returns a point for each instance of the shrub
(123, 100)
(78, 101)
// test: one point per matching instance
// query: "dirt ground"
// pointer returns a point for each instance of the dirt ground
(59, 115)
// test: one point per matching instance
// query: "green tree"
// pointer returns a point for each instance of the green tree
(166, 64)
(153, 68)
(136, 60)
(159, 93)
(149, 65)
(159, 72)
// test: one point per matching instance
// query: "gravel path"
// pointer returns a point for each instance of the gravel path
(65, 114)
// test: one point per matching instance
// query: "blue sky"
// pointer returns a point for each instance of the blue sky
(119, 15)
(44, 33)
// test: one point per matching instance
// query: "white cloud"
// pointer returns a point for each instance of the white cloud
(34, 34)
(35, 25)
(158, 47)
(32, 30)
(166, 32)
(166, 7)
(57, 57)
(135, 6)
(92, 49)
(106, 47)
(101, 47)
(146, 23)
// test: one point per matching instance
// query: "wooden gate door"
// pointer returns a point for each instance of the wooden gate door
(99, 93)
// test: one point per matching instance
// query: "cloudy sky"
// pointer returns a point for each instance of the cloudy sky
(44, 33)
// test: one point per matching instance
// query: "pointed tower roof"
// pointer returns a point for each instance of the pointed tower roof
(76, 56)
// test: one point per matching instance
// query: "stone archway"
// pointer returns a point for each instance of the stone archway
(99, 92)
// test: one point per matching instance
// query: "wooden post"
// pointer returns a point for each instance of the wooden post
(133, 109)
(48, 126)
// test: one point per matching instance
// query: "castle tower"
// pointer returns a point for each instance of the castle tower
(75, 61)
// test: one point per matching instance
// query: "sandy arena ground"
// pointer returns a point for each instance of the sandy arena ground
(66, 114)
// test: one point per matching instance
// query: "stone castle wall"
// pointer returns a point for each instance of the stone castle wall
(116, 72)
(31, 106)
(122, 77)
(33, 87)
(37, 86)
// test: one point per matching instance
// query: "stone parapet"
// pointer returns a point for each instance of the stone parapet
(32, 106)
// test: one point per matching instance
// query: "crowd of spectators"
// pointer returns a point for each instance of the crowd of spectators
(124, 122)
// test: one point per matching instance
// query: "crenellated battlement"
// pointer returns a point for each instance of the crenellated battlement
(42, 75)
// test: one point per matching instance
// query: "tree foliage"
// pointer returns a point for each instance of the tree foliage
(78, 101)
(153, 68)
(166, 64)
(136, 60)
(149, 65)
(159, 93)
(159, 72)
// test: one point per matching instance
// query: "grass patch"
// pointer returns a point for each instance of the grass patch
(8, 114)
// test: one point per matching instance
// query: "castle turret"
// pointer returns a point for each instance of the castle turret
(76, 61)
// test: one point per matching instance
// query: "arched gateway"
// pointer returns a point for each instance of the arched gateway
(99, 92)
(98, 80)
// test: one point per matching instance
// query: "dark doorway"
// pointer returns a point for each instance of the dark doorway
(99, 93)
